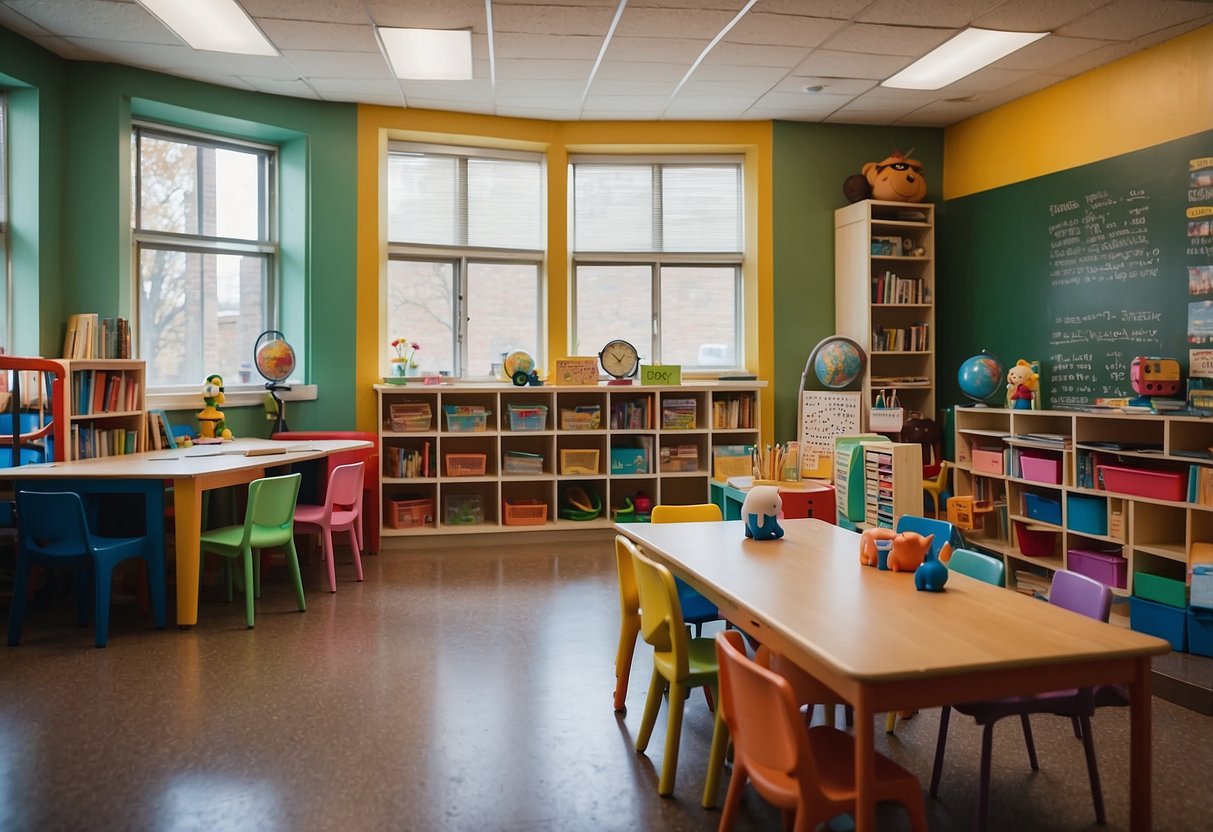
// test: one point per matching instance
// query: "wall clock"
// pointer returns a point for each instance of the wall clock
(620, 360)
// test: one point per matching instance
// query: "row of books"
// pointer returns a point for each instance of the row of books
(889, 288)
(89, 441)
(733, 412)
(914, 338)
(679, 458)
(634, 414)
(401, 463)
(104, 391)
(90, 336)
(678, 414)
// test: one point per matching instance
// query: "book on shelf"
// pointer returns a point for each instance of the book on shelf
(678, 414)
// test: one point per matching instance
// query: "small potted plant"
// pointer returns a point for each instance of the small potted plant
(404, 361)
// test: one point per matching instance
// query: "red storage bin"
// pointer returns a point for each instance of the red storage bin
(1161, 485)
(1037, 543)
(1106, 567)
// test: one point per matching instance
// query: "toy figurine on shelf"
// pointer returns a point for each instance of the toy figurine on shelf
(211, 424)
(1022, 384)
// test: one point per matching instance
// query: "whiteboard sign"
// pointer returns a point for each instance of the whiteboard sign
(1200, 363)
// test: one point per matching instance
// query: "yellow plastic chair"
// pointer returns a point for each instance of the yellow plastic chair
(629, 619)
(680, 663)
(937, 486)
(268, 521)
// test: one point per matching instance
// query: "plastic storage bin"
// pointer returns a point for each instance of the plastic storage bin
(1202, 586)
(579, 460)
(1040, 468)
(1042, 508)
(463, 420)
(1200, 632)
(585, 417)
(1037, 543)
(528, 417)
(987, 462)
(525, 513)
(1160, 485)
(465, 465)
(1160, 620)
(1159, 588)
(1106, 567)
(519, 462)
(1087, 514)
(409, 514)
(462, 510)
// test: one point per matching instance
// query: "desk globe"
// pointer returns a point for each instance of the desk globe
(837, 362)
(979, 377)
(274, 359)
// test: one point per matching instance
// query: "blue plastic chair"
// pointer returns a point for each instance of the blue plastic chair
(944, 531)
(52, 530)
(696, 610)
(983, 567)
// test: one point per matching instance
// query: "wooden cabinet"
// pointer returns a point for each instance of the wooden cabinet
(1049, 484)
(472, 458)
(884, 293)
(105, 407)
(892, 482)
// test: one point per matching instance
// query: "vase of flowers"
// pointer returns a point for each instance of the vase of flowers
(404, 362)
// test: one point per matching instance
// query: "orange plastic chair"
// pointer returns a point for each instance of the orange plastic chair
(806, 688)
(341, 512)
(629, 619)
(680, 663)
(810, 773)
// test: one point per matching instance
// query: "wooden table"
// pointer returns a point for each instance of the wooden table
(882, 646)
(191, 471)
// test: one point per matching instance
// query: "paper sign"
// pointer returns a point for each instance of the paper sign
(1200, 363)
(577, 370)
(661, 374)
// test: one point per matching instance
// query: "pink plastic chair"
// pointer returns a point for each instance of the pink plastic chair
(341, 512)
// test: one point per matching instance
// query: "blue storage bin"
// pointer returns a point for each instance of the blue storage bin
(1044, 509)
(1200, 632)
(1160, 620)
(1087, 514)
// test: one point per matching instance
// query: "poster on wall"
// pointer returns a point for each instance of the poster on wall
(824, 416)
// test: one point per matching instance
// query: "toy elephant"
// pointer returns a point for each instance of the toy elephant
(760, 511)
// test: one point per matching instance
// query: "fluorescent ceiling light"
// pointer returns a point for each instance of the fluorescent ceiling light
(429, 54)
(212, 25)
(966, 53)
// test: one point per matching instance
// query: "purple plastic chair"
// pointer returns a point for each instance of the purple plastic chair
(1079, 594)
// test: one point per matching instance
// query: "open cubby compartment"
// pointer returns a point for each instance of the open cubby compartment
(1023, 575)
(1159, 529)
(1190, 435)
(1046, 466)
(468, 504)
(734, 409)
(1200, 536)
(1038, 543)
(683, 454)
(468, 447)
(622, 490)
(588, 492)
(405, 457)
(632, 410)
(1131, 434)
(682, 410)
(1040, 504)
(1159, 578)
(575, 410)
(1087, 514)
(526, 411)
(480, 399)
(683, 491)
(524, 494)
(411, 507)
(1038, 421)
(536, 455)
(580, 452)
(633, 455)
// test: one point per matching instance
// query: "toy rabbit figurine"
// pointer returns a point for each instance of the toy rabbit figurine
(760, 511)
(931, 575)
(211, 424)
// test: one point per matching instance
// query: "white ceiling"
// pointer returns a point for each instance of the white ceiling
(634, 59)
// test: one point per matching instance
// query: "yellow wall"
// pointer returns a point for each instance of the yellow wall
(1153, 96)
(378, 125)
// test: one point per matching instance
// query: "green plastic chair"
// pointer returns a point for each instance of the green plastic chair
(976, 565)
(268, 521)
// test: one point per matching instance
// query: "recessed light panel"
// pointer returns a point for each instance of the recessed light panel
(963, 55)
(212, 25)
(429, 54)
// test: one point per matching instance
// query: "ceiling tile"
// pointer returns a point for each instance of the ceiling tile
(760, 76)
(1130, 19)
(840, 9)
(526, 69)
(948, 14)
(322, 11)
(95, 19)
(532, 18)
(611, 103)
(688, 23)
(588, 114)
(295, 89)
(696, 88)
(708, 104)
(1049, 52)
(821, 104)
(538, 89)
(180, 58)
(681, 51)
(1036, 15)
(782, 29)
(354, 87)
(830, 64)
(452, 90)
(481, 107)
(298, 34)
(429, 14)
(887, 40)
(326, 64)
(639, 71)
(20, 24)
(751, 54)
(578, 47)
(833, 86)
(216, 78)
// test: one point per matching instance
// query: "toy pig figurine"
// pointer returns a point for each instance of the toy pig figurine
(760, 511)
(909, 550)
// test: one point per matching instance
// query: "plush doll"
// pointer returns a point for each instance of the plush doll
(909, 551)
(760, 511)
(896, 179)
(211, 424)
(1022, 383)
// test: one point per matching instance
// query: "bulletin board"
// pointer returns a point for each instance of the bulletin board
(824, 416)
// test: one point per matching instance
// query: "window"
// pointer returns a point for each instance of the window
(5, 274)
(206, 252)
(658, 250)
(465, 256)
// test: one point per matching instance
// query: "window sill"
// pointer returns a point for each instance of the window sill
(239, 397)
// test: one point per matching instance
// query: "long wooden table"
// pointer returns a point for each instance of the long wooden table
(191, 471)
(881, 645)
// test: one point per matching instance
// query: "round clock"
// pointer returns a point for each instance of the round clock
(516, 364)
(619, 359)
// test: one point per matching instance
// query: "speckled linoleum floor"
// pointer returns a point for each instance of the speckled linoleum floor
(456, 689)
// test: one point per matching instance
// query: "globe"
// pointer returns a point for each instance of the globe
(274, 356)
(837, 362)
(980, 377)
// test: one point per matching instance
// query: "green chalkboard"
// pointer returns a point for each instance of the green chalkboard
(1083, 270)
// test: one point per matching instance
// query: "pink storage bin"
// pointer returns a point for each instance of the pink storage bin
(1160, 485)
(1037, 543)
(987, 462)
(1106, 567)
(1040, 468)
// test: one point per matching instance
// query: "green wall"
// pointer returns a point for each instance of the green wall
(85, 113)
(810, 162)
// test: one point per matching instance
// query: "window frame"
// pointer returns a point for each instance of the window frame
(462, 256)
(267, 246)
(659, 259)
